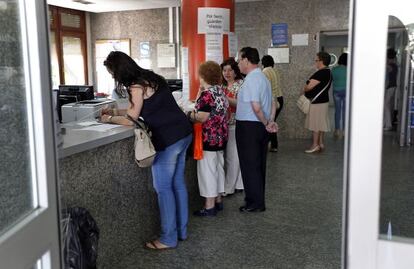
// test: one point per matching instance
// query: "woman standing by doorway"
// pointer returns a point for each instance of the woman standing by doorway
(316, 89)
(339, 94)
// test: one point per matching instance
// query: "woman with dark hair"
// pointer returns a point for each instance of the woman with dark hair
(151, 99)
(211, 110)
(339, 94)
(232, 81)
(316, 90)
(273, 76)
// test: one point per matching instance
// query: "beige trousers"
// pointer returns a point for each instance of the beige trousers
(233, 174)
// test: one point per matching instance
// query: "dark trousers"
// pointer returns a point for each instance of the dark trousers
(252, 139)
(273, 136)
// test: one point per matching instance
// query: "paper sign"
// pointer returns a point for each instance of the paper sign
(300, 40)
(214, 48)
(280, 55)
(233, 46)
(166, 55)
(144, 49)
(185, 75)
(213, 20)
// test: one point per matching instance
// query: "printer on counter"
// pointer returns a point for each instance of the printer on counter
(85, 110)
(72, 93)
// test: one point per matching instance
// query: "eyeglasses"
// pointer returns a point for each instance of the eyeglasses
(317, 60)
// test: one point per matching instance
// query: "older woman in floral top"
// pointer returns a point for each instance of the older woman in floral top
(232, 81)
(211, 110)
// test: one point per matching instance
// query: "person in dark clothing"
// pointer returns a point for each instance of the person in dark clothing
(390, 87)
(151, 99)
(316, 90)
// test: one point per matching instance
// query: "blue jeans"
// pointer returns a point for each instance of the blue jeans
(339, 98)
(168, 180)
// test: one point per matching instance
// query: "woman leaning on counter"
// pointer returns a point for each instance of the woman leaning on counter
(151, 99)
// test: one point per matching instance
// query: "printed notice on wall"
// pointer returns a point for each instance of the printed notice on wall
(279, 34)
(300, 40)
(213, 20)
(166, 55)
(185, 75)
(144, 50)
(233, 47)
(280, 55)
(214, 48)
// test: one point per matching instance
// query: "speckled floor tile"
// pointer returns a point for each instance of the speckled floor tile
(301, 227)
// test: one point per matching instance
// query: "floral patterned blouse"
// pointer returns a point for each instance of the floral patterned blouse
(215, 128)
(232, 93)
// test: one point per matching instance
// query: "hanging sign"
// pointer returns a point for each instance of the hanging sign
(233, 48)
(213, 20)
(185, 74)
(214, 48)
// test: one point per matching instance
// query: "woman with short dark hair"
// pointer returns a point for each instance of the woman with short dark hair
(211, 110)
(316, 89)
(151, 99)
(232, 81)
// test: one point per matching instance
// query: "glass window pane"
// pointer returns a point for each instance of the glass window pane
(70, 20)
(16, 197)
(73, 61)
(51, 18)
(397, 188)
(54, 61)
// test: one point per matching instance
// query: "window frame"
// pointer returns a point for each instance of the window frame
(67, 31)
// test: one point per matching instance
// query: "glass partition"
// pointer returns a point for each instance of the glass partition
(397, 174)
(16, 195)
(74, 68)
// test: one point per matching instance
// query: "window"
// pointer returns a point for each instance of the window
(68, 46)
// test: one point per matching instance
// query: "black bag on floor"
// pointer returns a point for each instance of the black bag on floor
(80, 239)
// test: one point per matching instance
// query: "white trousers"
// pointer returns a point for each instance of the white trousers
(233, 174)
(388, 106)
(210, 173)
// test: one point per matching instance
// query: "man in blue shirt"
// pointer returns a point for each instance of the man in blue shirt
(254, 120)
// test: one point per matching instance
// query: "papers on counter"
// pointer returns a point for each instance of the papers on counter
(88, 123)
(98, 127)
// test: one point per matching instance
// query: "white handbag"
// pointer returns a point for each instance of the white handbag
(144, 149)
(303, 104)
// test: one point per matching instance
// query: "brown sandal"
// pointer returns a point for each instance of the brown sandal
(152, 245)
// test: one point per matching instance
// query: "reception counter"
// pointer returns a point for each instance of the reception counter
(98, 172)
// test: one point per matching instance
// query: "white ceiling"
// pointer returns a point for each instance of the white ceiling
(120, 5)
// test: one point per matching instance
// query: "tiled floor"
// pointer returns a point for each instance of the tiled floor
(301, 227)
(397, 188)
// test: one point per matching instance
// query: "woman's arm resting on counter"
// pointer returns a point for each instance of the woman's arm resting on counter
(134, 110)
